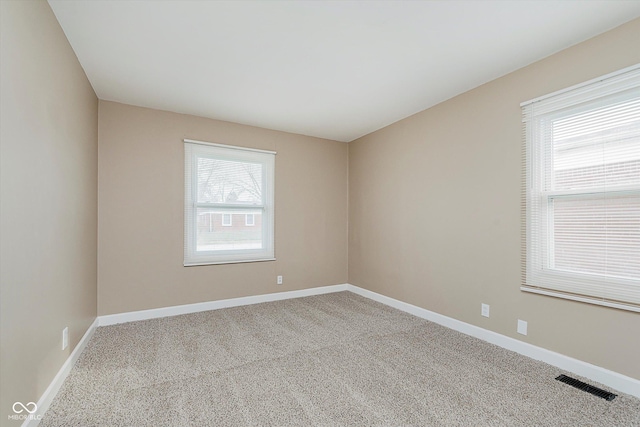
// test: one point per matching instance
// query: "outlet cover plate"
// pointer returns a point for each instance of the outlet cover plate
(65, 338)
(485, 310)
(522, 327)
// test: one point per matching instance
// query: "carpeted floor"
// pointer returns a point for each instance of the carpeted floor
(335, 359)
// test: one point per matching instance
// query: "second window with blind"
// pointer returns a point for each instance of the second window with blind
(583, 192)
(229, 204)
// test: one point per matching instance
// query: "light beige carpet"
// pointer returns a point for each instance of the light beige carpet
(336, 359)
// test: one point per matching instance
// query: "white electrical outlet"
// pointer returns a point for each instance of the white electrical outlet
(522, 327)
(65, 338)
(279, 280)
(485, 310)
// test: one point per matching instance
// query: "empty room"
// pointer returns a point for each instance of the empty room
(319, 213)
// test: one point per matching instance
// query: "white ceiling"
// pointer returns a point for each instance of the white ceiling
(333, 69)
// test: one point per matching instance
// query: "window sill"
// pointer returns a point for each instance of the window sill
(195, 264)
(581, 298)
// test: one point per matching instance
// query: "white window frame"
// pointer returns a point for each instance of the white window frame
(250, 223)
(198, 149)
(225, 223)
(539, 273)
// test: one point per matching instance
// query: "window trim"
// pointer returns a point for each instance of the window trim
(193, 150)
(582, 85)
(253, 220)
(224, 223)
(537, 275)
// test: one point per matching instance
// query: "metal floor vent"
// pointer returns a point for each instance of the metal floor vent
(586, 387)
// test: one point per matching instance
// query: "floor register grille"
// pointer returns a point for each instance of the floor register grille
(586, 387)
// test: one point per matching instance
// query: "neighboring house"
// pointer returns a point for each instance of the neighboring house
(221, 230)
(212, 221)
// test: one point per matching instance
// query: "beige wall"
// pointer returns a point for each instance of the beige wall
(48, 178)
(435, 211)
(141, 203)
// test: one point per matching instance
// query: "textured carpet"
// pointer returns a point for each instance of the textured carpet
(336, 359)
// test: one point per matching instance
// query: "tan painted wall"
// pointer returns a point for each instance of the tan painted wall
(141, 199)
(435, 211)
(48, 178)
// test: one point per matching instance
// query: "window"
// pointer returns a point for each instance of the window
(250, 220)
(223, 182)
(582, 195)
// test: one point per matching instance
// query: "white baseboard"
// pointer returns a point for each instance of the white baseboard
(604, 376)
(133, 316)
(47, 397)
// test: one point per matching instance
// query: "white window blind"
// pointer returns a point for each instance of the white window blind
(582, 192)
(223, 186)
